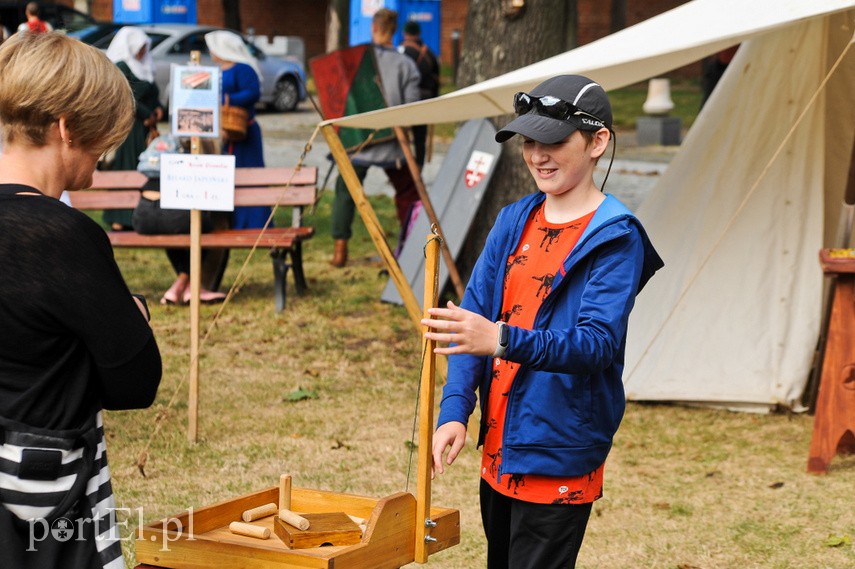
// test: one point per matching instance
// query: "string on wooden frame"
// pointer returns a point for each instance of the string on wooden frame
(434, 301)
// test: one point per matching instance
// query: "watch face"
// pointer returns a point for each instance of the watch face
(504, 334)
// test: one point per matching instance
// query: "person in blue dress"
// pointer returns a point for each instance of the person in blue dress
(241, 82)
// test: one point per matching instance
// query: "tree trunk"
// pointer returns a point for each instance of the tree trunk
(337, 24)
(231, 13)
(497, 42)
(618, 19)
(571, 28)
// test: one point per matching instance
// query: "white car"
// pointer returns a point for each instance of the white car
(283, 84)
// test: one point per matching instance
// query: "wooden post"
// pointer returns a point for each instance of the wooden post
(426, 403)
(453, 274)
(369, 217)
(195, 287)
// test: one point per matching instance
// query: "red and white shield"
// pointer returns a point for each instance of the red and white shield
(478, 166)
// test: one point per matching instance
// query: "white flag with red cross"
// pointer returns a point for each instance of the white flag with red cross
(478, 166)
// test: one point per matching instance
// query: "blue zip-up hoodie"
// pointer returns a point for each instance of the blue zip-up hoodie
(567, 399)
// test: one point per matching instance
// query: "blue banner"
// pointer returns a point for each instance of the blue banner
(154, 11)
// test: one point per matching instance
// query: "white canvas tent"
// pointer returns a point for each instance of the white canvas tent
(739, 216)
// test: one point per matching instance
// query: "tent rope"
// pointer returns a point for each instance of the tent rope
(239, 281)
(739, 209)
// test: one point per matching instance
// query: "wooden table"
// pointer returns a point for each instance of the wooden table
(834, 422)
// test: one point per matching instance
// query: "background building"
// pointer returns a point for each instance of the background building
(309, 18)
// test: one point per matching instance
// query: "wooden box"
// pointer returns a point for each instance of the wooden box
(334, 528)
(200, 539)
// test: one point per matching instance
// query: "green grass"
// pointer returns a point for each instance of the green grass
(685, 487)
(627, 102)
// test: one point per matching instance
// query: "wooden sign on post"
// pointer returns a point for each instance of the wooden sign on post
(195, 102)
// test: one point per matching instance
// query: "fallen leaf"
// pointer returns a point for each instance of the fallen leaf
(837, 540)
(300, 394)
(776, 485)
(141, 460)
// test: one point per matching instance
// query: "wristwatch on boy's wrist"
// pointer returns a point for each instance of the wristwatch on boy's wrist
(502, 339)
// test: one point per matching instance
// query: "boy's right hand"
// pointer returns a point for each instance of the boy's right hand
(451, 434)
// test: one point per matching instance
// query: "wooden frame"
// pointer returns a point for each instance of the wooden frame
(400, 528)
(386, 542)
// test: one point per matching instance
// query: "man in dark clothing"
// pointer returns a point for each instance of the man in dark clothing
(425, 59)
(400, 80)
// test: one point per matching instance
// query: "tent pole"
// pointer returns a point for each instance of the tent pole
(453, 274)
(369, 217)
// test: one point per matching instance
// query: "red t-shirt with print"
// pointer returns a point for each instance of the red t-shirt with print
(529, 274)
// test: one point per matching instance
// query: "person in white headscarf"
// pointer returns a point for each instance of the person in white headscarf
(241, 81)
(229, 47)
(129, 50)
(132, 46)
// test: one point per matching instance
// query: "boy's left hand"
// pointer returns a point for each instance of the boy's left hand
(472, 333)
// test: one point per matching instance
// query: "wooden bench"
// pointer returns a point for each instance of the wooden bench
(253, 187)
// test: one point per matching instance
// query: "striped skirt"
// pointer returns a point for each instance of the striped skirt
(58, 506)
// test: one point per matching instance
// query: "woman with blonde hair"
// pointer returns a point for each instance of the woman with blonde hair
(74, 340)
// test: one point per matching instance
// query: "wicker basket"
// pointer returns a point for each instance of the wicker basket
(233, 121)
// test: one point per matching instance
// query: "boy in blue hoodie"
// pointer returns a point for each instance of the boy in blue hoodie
(541, 332)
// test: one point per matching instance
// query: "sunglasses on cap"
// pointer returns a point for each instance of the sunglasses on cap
(554, 108)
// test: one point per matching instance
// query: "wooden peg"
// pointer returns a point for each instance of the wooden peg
(259, 512)
(295, 520)
(249, 530)
(285, 492)
(361, 522)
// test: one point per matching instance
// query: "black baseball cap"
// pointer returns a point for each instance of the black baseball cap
(588, 109)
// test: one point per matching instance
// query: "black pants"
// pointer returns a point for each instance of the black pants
(523, 535)
(150, 219)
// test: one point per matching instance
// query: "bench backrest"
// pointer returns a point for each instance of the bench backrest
(120, 189)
